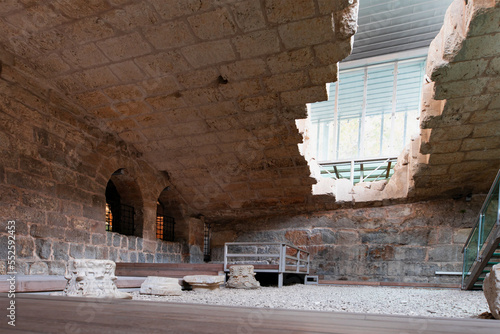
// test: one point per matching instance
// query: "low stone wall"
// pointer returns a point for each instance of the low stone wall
(400, 243)
(50, 256)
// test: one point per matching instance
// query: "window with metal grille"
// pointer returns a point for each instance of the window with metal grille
(371, 111)
(165, 227)
(120, 218)
(206, 243)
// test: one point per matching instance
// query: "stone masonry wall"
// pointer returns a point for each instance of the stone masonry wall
(399, 243)
(54, 168)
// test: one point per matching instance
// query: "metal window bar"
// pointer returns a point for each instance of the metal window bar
(109, 218)
(165, 227)
(126, 222)
(206, 242)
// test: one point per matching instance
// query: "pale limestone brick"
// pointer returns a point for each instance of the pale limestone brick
(492, 154)
(10, 6)
(84, 56)
(104, 112)
(248, 15)
(241, 89)
(461, 88)
(87, 30)
(280, 11)
(35, 18)
(173, 9)
(306, 32)
(182, 115)
(169, 35)
(68, 83)
(209, 53)
(290, 61)
(489, 129)
(223, 124)
(218, 109)
(259, 103)
(215, 24)
(197, 78)
(128, 17)
(132, 108)
(303, 96)
(320, 75)
(97, 78)
(149, 120)
(330, 53)
(446, 158)
(451, 132)
(200, 96)
(80, 8)
(470, 144)
(124, 47)
(127, 71)
(485, 116)
(346, 22)
(287, 81)
(243, 69)
(52, 65)
(473, 47)
(257, 43)
(91, 100)
(123, 93)
(122, 125)
(164, 85)
(162, 63)
(162, 103)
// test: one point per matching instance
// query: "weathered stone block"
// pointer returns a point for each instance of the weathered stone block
(491, 288)
(39, 268)
(162, 286)
(43, 248)
(92, 278)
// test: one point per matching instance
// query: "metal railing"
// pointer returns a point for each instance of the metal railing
(269, 257)
(359, 170)
(484, 237)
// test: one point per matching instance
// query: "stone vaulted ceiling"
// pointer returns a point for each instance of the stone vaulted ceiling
(206, 90)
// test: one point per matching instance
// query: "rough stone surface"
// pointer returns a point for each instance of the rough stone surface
(206, 91)
(491, 288)
(242, 277)
(162, 286)
(92, 278)
(398, 243)
(204, 282)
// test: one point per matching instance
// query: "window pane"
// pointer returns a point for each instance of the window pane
(348, 138)
(372, 136)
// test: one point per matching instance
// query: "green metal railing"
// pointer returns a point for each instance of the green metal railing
(480, 238)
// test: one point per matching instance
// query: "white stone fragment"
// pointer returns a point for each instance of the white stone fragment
(92, 278)
(491, 289)
(204, 282)
(242, 277)
(162, 286)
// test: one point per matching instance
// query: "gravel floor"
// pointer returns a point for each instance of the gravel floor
(359, 299)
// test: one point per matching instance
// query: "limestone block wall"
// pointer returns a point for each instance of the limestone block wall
(399, 243)
(54, 167)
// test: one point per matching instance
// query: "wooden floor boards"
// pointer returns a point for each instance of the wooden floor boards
(47, 314)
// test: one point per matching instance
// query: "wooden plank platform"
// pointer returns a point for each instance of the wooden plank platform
(36, 283)
(178, 270)
(48, 314)
(393, 284)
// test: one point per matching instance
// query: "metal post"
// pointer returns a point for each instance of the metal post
(352, 172)
(225, 257)
(298, 262)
